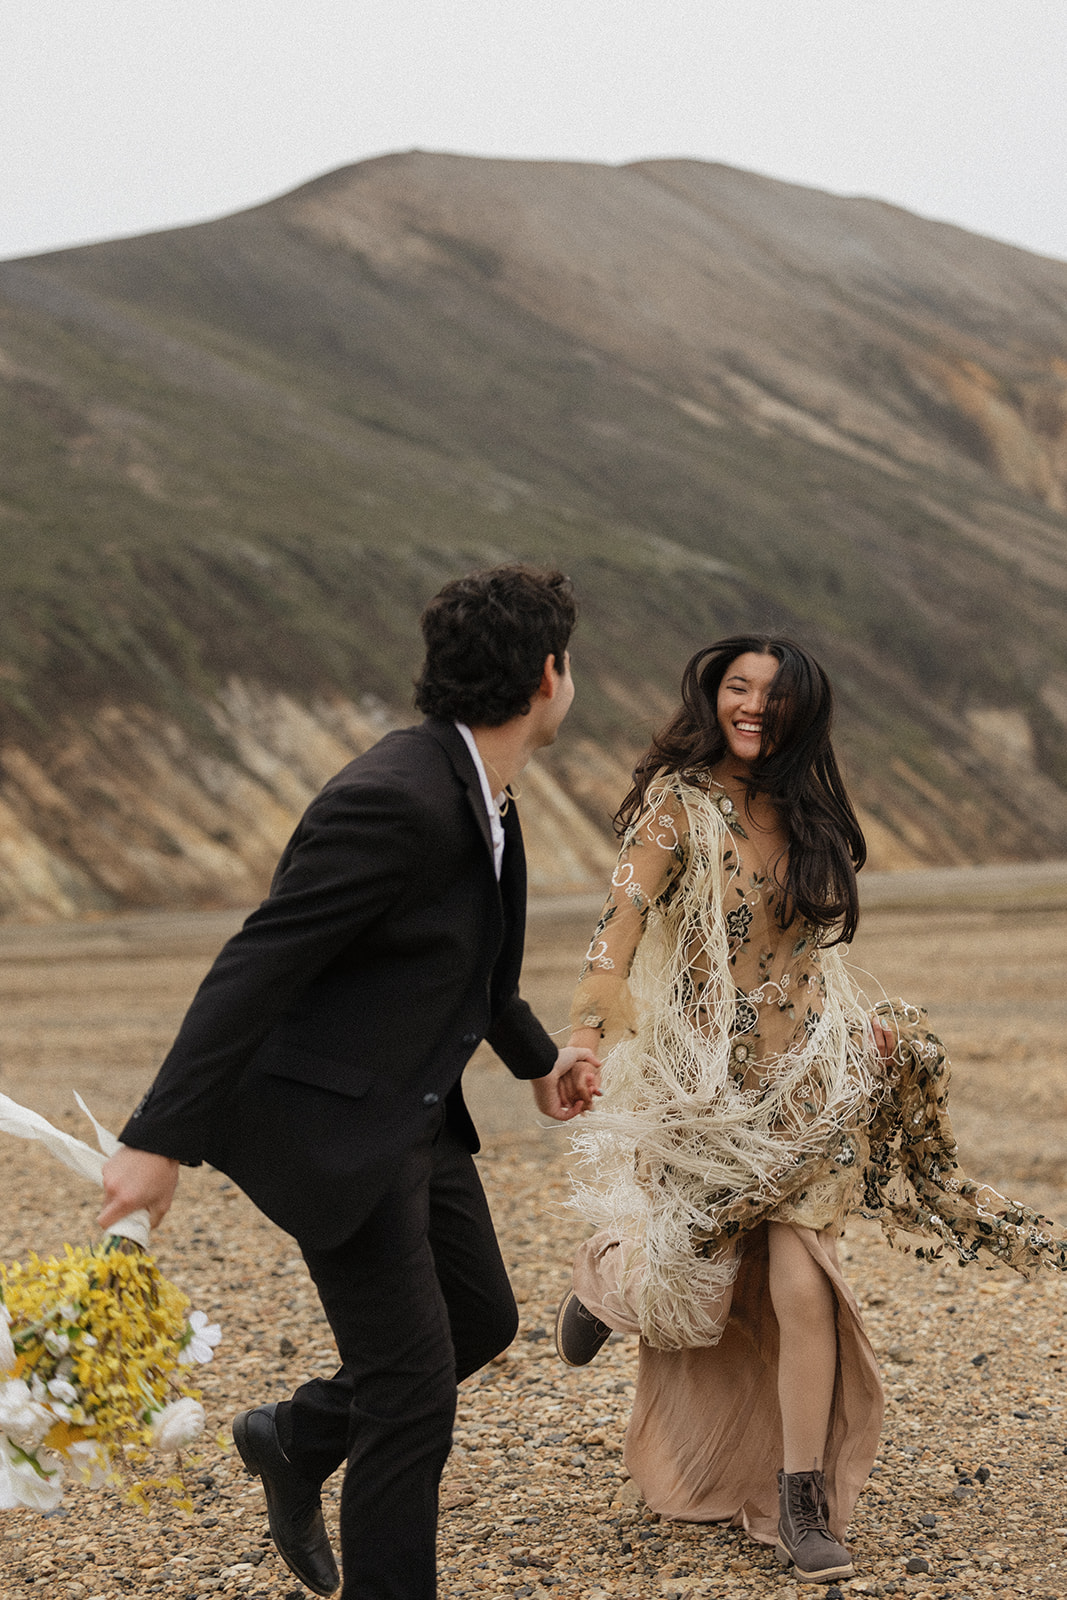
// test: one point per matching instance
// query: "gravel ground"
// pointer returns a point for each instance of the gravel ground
(968, 1497)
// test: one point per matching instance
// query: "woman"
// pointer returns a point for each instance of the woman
(753, 1101)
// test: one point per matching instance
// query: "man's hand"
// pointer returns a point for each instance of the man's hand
(571, 1087)
(137, 1180)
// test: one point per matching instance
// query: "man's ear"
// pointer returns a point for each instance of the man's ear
(550, 679)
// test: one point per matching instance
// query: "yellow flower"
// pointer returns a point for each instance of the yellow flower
(104, 1326)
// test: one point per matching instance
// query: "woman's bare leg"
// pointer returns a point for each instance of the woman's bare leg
(803, 1303)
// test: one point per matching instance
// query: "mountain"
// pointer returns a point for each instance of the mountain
(238, 458)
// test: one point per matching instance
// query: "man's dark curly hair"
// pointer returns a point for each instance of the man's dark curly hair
(488, 636)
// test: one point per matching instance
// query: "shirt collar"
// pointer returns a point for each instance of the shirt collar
(492, 804)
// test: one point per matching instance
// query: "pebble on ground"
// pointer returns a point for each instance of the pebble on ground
(967, 1497)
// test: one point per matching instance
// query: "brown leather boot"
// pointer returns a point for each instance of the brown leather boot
(804, 1536)
(579, 1335)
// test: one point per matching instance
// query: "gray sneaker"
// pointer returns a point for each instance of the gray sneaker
(804, 1537)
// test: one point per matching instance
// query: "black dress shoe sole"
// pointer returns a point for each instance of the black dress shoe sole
(246, 1450)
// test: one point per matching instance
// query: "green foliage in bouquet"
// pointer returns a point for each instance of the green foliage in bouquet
(92, 1347)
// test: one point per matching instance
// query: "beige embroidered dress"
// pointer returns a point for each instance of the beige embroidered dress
(746, 1087)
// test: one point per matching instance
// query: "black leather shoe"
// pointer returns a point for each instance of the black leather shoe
(294, 1506)
(579, 1335)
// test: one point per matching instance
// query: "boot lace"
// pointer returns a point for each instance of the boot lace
(806, 1511)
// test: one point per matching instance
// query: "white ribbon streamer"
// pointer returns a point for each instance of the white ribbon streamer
(74, 1153)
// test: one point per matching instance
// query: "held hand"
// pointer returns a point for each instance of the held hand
(579, 1068)
(136, 1180)
(885, 1040)
(571, 1087)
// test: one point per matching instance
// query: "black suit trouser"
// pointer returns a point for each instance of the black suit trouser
(417, 1299)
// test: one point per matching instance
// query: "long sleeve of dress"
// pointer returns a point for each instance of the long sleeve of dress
(653, 854)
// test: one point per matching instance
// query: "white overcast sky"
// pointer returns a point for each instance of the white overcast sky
(121, 116)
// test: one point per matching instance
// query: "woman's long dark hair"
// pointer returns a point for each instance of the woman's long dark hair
(796, 768)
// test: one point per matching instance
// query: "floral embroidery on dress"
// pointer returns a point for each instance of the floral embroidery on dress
(911, 1139)
(746, 1018)
(624, 878)
(722, 1110)
(845, 1156)
(742, 1055)
(738, 922)
(726, 807)
(597, 954)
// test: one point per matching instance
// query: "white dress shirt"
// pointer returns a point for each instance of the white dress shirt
(492, 804)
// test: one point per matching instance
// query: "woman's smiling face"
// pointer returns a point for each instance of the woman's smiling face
(739, 707)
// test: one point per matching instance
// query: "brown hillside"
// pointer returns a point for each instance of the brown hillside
(238, 458)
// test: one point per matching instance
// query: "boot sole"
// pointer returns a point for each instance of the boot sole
(823, 1575)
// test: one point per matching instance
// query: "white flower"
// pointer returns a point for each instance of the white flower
(57, 1343)
(7, 1348)
(7, 1488)
(88, 1463)
(178, 1424)
(60, 1389)
(21, 1418)
(30, 1479)
(202, 1338)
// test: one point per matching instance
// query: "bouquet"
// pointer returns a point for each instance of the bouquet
(92, 1350)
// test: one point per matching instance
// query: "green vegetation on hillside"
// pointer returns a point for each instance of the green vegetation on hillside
(250, 450)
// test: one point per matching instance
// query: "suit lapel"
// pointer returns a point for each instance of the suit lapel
(513, 868)
(511, 889)
(455, 746)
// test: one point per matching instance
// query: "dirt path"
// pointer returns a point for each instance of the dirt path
(537, 1500)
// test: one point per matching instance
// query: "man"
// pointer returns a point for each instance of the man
(319, 1066)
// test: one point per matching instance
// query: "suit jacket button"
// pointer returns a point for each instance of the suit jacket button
(470, 1038)
(430, 1099)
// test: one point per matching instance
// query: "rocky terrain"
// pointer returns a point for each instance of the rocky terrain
(968, 1499)
(236, 459)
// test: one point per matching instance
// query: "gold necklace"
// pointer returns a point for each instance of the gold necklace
(507, 790)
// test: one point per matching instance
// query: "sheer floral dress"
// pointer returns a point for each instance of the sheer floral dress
(744, 1088)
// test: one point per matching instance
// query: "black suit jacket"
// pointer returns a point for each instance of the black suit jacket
(333, 1027)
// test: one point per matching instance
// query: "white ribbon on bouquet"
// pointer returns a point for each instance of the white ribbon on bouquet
(74, 1153)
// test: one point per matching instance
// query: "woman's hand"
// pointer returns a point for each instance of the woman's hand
(572, 1085)
(885, 1040)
